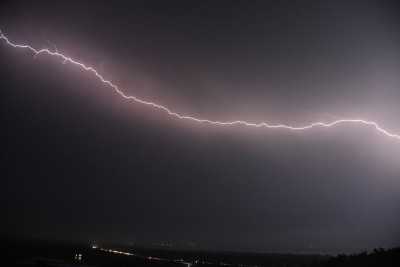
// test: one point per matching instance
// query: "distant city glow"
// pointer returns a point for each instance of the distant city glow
(67, 59)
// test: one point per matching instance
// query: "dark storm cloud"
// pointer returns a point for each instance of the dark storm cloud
(80, 162)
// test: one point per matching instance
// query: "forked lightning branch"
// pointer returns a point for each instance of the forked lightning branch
(66, 59)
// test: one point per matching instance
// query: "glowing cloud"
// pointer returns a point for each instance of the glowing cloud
(67, 59)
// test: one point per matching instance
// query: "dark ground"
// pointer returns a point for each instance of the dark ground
(32, 252)
(29, 252)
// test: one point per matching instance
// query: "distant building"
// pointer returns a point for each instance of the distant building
(78, 257)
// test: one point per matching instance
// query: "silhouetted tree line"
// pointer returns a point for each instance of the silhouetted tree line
(377, 258)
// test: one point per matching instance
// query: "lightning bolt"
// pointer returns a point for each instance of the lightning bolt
(67, 59)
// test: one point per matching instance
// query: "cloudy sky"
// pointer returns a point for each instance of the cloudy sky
(80, 162)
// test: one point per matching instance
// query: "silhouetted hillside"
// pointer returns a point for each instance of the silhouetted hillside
(378, 258)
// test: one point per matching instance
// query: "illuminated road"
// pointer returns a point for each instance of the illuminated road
(186, 262)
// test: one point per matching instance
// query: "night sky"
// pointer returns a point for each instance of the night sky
(79, 162)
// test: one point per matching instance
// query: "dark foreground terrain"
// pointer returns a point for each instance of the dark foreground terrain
(29, 252)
